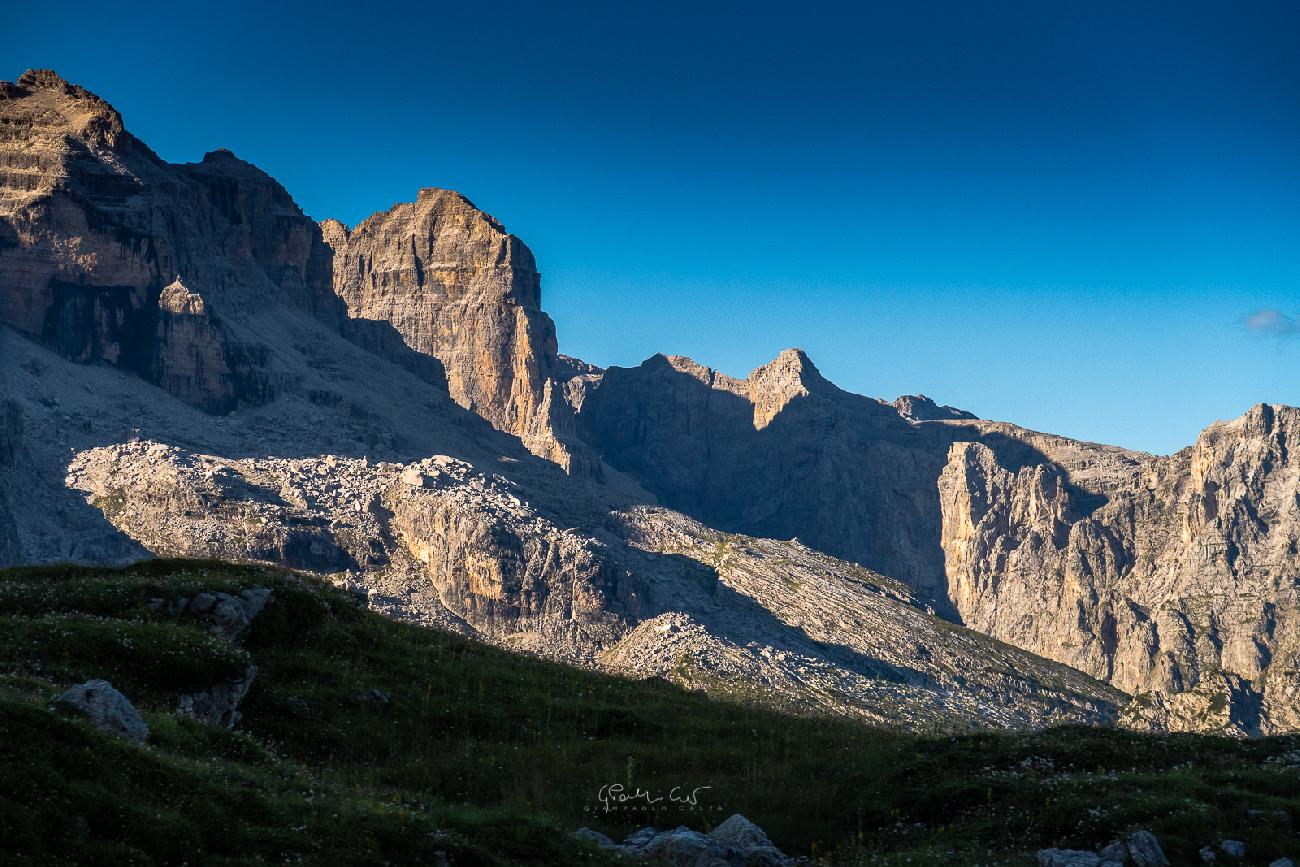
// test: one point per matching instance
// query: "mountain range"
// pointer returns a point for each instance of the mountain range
(191, 366)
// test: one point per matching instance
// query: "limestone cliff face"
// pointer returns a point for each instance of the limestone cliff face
(786, 453)
(530, 582)
(262, 223)
(459, 288)
(1172, 578)
(760, 455)
(1181, 587)
(95, 230)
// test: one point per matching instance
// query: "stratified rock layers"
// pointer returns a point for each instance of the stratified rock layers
(108, 254)
(459, 288)
(1181, 587)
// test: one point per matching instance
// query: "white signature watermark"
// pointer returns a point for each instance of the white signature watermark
(618, 797)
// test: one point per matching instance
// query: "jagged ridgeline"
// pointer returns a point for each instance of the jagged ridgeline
(193, 367)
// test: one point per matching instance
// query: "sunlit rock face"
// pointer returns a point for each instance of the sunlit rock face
(1181, 587)
(459, 288)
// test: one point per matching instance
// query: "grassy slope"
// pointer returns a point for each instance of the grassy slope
(493, 758)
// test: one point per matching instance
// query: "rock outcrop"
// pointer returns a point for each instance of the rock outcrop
(737, 842)
(225, 614)
(1179, 588)
(1138, 849)
(106, 708)
(230, 616)
(218, 705)
(918, 407)
(459, 288)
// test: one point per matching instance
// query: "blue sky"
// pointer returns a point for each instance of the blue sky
(1069, 216)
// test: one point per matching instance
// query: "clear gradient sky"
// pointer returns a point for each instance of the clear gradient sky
(1081, 217)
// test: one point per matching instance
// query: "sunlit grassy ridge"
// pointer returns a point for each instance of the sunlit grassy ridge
(494, 758)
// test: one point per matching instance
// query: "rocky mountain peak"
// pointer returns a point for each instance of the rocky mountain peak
(334, 231)
(1269, 418)
(84, 113)
(683, 364)
(459, 288)
(442, 199)
(791, 363)
(789, 376)
(45, 79)
(224, 161)
(95, 228)
(918, 407)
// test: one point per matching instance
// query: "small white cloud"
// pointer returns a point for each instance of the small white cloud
(1271, 321)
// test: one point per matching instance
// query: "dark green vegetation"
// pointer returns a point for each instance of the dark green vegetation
(494, 759)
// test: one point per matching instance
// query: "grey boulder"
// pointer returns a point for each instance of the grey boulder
(683, 847)
(748, 839)
(1144, 850)
(1140, 849)
(1233, 848)
(737, 842)
(106, 708)
(226, 614)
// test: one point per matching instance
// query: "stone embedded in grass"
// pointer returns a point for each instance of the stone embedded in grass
(1233, 848)
(106, 708)
(225, 614)
(1144, 850)
(373, 697)
(1140, 849)
(737, 842)
(218, 705)
(750, 840)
